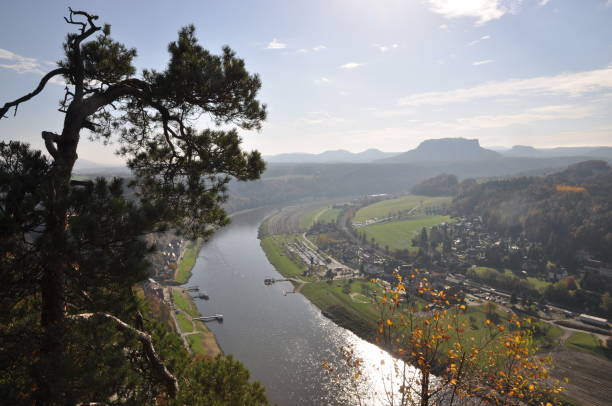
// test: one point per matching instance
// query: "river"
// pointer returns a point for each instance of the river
(282, 339)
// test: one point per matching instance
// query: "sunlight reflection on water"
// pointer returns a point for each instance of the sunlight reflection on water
(283, 339)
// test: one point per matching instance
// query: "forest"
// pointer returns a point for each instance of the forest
(566, 212)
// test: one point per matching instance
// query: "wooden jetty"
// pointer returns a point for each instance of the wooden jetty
(217, 317)
(270, 281)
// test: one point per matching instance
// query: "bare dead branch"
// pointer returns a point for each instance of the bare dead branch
(156, 362)
(43, 82)
(90, 19)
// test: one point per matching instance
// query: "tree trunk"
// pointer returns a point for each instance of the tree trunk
(53, 283)
(424, 388)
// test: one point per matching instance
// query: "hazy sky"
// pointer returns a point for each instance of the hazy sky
(357, 74)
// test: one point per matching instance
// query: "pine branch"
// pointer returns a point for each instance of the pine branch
(39, 88)
(147, 343)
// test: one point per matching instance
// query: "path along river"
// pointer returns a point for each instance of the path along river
(282, 339)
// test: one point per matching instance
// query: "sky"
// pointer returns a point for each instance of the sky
(355, 74)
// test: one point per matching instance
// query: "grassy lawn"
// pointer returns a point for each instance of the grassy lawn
(384, 208)
(588, 343)
(184, 303)
(195, 341)
(330, 215)
(399, 234)
(536, 284)
(183, 272)
(340, 306)
(546, 336)
(185, 324)
(307, 220)
(201, 327)
(273, 247)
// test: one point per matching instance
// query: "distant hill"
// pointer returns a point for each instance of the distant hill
(287, 182)
(335, 156)
(522, 151)
(441, 185)
(565, 211)
(447, 150)
(85, 167)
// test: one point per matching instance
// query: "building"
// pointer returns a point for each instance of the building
(596, 321)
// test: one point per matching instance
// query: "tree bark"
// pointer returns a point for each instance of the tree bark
(53, 281)
(424, 388)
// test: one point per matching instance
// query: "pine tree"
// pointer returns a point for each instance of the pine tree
(71, 250)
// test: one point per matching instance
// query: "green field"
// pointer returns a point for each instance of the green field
(184, 323)
(183, 303)
(307, 220)
(330, 215)
(386, 207)
(332, 299)
(183, 273)
(195, 341)
(538, 284)
(399, 234)
(588, 343)
(535, 283)
(273, 247)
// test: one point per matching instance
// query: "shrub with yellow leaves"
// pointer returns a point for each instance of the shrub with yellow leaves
(429, 329)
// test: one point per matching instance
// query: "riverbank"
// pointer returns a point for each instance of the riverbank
(347, 302)
(187, 261)
(196, 336)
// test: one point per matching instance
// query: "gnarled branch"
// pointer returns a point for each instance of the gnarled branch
(50, 140)
(43, 82)
(154, 359)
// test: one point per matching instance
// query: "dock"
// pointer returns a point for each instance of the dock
(217, 317)
(270, 281)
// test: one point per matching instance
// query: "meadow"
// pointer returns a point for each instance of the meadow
(385, 208)
(398, 235)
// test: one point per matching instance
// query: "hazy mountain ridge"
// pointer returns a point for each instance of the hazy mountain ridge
(531, 152)
(445, 149)
(286, 182)
(339, 155)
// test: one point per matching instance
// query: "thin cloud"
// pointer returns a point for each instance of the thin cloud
(476, 41)
(322, 80)
(386, 48)
(443, 27)
(543, 2)
(24, 64)
(320, 117)
(566, 84)
(484, 62)
(275, 44)
(544, 113)
(351, 65)
(318, 48)
(482, 10)
(20, 64)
